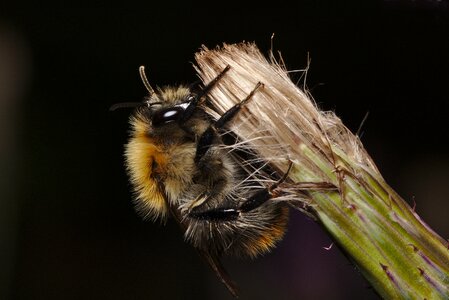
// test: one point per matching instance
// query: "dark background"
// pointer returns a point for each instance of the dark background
(68, 229)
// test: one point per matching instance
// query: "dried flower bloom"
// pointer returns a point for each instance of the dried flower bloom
(393, 248)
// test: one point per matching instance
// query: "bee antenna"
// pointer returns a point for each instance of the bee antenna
(145, 81)
(126, 105)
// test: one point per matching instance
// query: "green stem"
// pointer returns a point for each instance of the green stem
(393, 248)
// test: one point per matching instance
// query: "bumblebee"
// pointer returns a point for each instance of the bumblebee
(179, 162)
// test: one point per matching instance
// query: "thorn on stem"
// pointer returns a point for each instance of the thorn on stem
(414, 247)
(389, 274)
(432, 282)
(352, 207)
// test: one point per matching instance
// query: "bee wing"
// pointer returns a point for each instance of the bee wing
(213, 261)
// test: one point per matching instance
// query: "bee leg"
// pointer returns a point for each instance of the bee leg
(191, 108)
(253, 202)
(204, 143)
(230, 113)
(216, 215)
(232, 214)
(264, 195)
(207, 138)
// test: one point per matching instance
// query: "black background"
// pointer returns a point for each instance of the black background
(68, 227)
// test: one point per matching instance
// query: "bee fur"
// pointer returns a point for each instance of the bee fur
(176, 159)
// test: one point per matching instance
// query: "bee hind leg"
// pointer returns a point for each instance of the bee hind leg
(231, 214)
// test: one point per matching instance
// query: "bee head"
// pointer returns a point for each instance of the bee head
(169, 105)
(168, 113)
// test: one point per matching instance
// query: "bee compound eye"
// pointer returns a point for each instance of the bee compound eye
(166, 116)
(169, 114)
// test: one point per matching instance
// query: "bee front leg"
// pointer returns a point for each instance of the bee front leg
(191, 108)
(207, 138)
(204, 143)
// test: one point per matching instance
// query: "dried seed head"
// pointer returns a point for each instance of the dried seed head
(281, 119)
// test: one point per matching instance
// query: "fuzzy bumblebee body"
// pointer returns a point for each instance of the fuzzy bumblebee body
(179, 165)
(169, 170)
